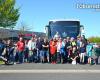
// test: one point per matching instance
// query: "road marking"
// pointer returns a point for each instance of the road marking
(49, 71)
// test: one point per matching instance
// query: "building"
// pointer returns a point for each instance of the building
(8, 33)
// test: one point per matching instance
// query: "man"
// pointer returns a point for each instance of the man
(2, 51)
(32, 50)
(97, 53)
(39, 49)
(20, 48)
(9, 52)
(45, 54)
(67, 48)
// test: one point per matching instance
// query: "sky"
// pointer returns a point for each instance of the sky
(37, 13)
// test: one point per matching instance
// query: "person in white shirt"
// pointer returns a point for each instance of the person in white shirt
(59, 44)
(32, 49)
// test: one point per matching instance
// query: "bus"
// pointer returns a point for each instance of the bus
(65, 28)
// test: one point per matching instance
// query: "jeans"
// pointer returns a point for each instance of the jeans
(45, 55)
(26, 51)
(63, 55)
(96, 60)
(35, 57)
(58, 57)
(21, 56)
(11, 58)
(30, 56)
(39, 53)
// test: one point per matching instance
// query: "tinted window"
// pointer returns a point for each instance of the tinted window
(65, 28)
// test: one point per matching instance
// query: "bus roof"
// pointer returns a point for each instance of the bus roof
(64, 20)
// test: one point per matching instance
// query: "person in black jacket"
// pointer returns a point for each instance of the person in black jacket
(9, 52)
(45, 48)
(39, 49)
(2, 51)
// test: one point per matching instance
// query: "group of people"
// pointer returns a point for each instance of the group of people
(54, 51)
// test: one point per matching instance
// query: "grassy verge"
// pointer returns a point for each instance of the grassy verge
(1, 62)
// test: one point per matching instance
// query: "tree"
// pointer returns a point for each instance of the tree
(94, 39)
(23, 28)
(8, 14)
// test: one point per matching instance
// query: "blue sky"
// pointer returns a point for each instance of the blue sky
(37, 13)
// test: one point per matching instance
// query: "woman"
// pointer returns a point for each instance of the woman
(89, 48)
(74, 55)
(53, 49)
(82, 53)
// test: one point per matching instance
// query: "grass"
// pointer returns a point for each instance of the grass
(2, 62)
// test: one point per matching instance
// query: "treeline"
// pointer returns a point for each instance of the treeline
(94, 39)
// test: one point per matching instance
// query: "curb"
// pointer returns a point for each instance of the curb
(49, 71)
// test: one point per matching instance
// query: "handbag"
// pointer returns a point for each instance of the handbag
(74, 62)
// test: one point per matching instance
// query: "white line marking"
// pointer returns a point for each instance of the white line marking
(49, 71)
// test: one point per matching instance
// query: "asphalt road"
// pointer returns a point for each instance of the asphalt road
(49, 76)
(29, 66)
(49, 72)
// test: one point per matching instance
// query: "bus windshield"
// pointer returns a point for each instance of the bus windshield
(64, 28)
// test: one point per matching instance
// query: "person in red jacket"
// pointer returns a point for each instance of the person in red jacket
(53, 50)
(20, 49)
